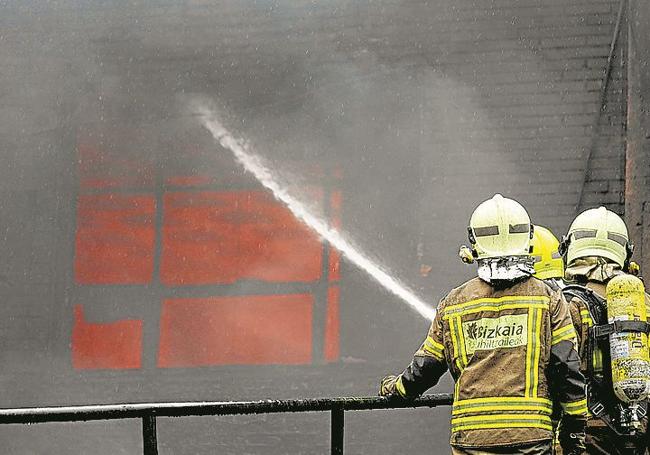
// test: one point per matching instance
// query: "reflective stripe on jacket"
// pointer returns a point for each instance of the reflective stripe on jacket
(501, 346)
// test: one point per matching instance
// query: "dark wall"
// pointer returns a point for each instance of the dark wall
(412, 112)
(638, 131)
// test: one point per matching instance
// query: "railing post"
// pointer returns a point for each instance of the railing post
(338, 423)
(149, 442)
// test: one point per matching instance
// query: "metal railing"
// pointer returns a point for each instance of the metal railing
(148, 412)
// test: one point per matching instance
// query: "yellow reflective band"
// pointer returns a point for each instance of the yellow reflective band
(497, 308)
(575, 407)
(498, 425)
(461, 342)
(436, 354)
(504, 400)
(597, 360)
(434, 344)
(529, 355)
(577, 412)
(498, 300)
(496, 304)
(400, 387)
(574, 404)
(431, 347)
(501, 417)
(542, 406)
(490, 410)
(585, 318)
(567, 332)
(568, 336)
(561, 331)
(538, 351)
(456, 343)
(533, 352)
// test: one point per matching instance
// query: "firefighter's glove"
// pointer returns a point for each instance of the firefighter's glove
(388, 386)
(572, 435)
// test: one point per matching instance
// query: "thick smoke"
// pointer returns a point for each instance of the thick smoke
(386, 99)
(270, 179)
(370, 103)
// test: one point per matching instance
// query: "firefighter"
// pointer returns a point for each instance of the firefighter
(502, 335)
(549, 267)
(597, 250)
(548, 264)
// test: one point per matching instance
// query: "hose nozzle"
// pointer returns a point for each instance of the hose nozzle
(465, 254)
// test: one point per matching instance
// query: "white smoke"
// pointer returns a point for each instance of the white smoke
(256, 165)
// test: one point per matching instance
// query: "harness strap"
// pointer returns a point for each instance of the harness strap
(603, 330)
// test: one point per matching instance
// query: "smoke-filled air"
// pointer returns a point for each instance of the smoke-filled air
(255, 164)
(241, 201)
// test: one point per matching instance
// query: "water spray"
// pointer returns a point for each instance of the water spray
(256, 165)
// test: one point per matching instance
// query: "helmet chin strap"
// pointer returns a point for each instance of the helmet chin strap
(505, 269)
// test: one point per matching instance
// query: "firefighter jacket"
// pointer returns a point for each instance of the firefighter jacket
(511, 352)
(593, 273)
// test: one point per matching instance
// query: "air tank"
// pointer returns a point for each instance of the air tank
(629, 350)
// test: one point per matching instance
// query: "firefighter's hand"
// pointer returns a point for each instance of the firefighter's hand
(572, 435)
(388, 386)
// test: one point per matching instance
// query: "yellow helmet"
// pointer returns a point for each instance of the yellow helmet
(499, 227)
(598, 232)
(548, 262)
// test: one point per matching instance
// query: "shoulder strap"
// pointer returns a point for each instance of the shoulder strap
(596, 304)
(603, 404)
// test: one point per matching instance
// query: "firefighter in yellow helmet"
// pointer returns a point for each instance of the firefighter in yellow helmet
(509, 343)
(549, 266)
(598, 250)
(548, 261)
